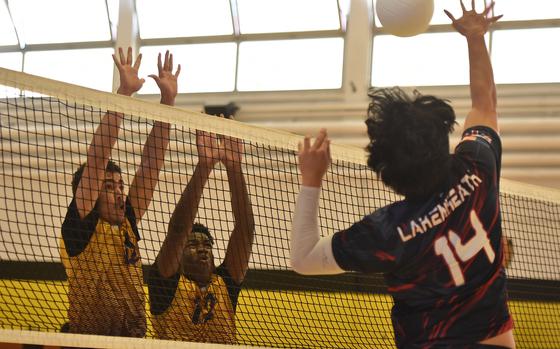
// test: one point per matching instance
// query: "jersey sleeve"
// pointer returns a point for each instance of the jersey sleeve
(482, 146)
(232, 287)
(161, 290)
(76, 232)
(370, 245)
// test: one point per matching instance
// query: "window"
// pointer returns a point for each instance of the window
(88, 67)
(290, 64)
(246, 45)
(65, 40)
(519, 56)
(515, 10)
(7, 32)
(426, 59)
(204, 67)
(273, 16)
(183, 18)
(11, 60)
(61, 21)
(439, 57)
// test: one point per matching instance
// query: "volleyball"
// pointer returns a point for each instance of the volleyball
(405, 17)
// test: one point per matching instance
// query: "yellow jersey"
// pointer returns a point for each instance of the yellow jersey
(181, 310)
(104, 270)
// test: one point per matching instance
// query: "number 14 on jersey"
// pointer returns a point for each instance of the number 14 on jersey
(466, 251)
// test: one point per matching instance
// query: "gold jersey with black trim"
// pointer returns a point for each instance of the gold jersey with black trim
(181, 310)
(104, 270)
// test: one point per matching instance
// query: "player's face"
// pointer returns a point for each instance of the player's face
(111, 200)
(197, 255)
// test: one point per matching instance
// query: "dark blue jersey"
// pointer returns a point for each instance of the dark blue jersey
(442, 257)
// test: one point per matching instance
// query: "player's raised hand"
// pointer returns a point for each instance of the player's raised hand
(473, 23)
(314, 159)
(166, 79)
(128, 72)
(207, 148)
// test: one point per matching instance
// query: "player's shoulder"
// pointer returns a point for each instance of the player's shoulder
(477, 140)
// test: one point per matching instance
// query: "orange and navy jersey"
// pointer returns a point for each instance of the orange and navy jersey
(181, 310)
(104, 269)
(442, 257)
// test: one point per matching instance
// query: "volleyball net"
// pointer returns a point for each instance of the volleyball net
(46, 127)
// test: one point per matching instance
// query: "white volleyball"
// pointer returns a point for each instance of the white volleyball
(405, 17)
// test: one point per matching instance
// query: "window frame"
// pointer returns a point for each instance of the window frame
(501, 25)
(237, 37)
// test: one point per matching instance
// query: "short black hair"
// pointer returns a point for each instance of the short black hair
(409, 140)
(201, 228)
(77, 177)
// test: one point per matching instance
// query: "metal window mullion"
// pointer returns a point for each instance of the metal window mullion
(236, 37)
(113, 35)
(20, 43)
(68, 46)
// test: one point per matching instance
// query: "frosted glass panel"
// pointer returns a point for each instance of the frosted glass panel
(422, 60)
(60, 21)
(290, 64)
(90, 68)
(526, 55)
(267, 16)
(204, 67)
(183, 18)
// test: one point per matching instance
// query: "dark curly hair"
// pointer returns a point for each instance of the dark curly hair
(409, 140)
(201, 228)
(77, 177)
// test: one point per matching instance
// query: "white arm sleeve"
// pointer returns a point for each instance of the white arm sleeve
(310, 254)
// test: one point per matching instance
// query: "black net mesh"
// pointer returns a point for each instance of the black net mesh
(45, 139)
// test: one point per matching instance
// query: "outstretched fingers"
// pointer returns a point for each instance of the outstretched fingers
(463, 7)
(117, 62)
(178, 71)
(166, 61)
(138, 61)
(450, 15)
(320, 139)
(121, 56)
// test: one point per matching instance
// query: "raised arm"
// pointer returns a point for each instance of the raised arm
(105, 136)
(310, 253)
(153, 154)
(241, 240)
(473, 26)
(182, 219)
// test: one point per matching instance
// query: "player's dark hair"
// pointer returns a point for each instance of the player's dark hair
(201, 228)
(409, 140)
(77, 177)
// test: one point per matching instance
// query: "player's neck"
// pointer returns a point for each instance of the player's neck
(202, 280)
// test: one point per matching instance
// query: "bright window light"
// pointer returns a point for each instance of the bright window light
(11, 60)
(90, 67)
(422, 60)
(7, 33)
(113, 7)
(439, 17)
(514, 10)
(204, 67)
(290, 64)
(183, 18)
(268, 16)
(454, 7)
(60, 21)
(526, 55)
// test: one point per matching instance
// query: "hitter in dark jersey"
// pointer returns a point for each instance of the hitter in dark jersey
(440, 247)
(428, 249)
